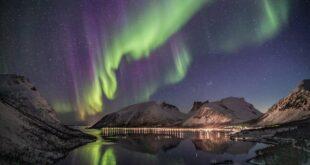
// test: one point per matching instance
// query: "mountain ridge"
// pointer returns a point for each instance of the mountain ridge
(295, 106)
(171, 116)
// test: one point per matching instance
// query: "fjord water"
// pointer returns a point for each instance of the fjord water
(173, 148)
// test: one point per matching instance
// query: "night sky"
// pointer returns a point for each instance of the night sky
(91, 57)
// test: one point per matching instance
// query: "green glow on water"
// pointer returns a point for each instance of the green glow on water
(109, 157)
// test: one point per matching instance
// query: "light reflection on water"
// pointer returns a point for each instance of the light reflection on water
(172, 147)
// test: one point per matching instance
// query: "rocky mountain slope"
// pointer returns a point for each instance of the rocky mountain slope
(148, 114)
(29, 130)
(230, 110)
(296, 106)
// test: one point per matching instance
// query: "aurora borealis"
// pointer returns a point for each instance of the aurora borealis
(90, 57)
(135, 40)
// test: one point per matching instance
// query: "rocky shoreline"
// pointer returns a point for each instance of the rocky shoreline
(293, 137)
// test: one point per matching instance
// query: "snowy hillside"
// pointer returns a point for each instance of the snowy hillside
(143, 114)
(296, 106)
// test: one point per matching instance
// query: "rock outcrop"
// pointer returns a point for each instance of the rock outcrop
(29, 130)
(230, 110)
(294, 107)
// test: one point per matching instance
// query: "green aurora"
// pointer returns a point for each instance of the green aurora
(151, 28)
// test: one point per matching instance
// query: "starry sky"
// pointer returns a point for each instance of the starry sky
(92, 57)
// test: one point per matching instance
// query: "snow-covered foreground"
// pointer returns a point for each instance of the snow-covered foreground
(30, 132)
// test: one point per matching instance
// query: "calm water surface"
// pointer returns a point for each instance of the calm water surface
(152, 149)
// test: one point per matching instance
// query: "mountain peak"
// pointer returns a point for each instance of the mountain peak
(229, 110)
(166, 105)
(305, 85)
(19, 91)
(231, 98)
(12, 79)
(197, 105)
(150, 114)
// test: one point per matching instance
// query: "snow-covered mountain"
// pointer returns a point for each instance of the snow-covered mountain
(149, 114)
(229, 110)
(29, 130)
(296, 106)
